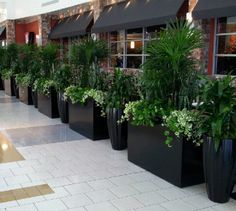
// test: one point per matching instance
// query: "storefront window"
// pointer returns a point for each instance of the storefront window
(226, 46)
(127, 46)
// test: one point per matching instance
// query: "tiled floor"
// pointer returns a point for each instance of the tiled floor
(85, 175)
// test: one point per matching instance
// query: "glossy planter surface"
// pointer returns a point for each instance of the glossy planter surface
(47, 104)
(15, 87)
(9, 87)
(86, 119)
(180, 164)
(117, 132)
(63, 107)
(25, 95)
(220, 169)
(1, 83)
(35, 98)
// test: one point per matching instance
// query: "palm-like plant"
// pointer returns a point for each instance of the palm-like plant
(85, 56)
(170, 69)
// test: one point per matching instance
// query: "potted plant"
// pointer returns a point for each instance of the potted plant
(119, 93)
(23, 78)
(169, 83)
(44, 84)
(218, 109)
(11, 67)
(62, 79)
(85, 95)
(2, 63)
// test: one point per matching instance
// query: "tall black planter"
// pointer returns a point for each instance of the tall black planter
(86, 120)
(9, 87)
(1, 83)
(15, 87)
(47, 104)
(35, 98)
(180, 164)
(25, 95)
(117, 132)
(219, 169)
(63, 107)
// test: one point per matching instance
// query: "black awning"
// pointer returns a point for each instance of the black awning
(214, 8)
(137, 13)
(72, 26)
(2, 30)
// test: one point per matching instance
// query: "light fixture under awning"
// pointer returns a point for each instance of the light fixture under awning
(138, 13)
(214, 8)
(72, 26)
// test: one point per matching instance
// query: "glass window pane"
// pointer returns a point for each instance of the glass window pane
(134, 61)
(134, 34)
(152, 31)
(117, 36)
(116, 61)
(227, 25)
(134, 47)
(226, 65)
(227, 44)
(117, 48)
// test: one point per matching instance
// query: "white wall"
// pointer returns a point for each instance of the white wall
(25, 8)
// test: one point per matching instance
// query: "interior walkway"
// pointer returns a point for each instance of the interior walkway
(61, 170)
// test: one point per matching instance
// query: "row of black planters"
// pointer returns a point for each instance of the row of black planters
(181, 165)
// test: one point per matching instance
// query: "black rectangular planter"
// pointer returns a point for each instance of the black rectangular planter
(86, 120)
(48, 104)
(25, 95)
(180, 164)
(9, 87)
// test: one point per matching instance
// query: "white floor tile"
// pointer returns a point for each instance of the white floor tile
(150, 198)
(145, 186)
(128, 203)
(152, 208)
(78, 188)
(52, 205)
(177, 205)
(30, 207)
(101, 196)
(76, 201)
(172, 193)
(123, 191)
(101, 184)
(105, 206)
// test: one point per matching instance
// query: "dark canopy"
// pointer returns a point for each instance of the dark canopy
(136, 13)
(214, 8)
(72, 26)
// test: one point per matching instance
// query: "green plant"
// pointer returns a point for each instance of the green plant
(85, 56)
(120, 90)
(62, 77)
(142, 113)
(218, 108)
(170, 73)
(10, 61)
(43, 85)
(75, 93)
(183, 123)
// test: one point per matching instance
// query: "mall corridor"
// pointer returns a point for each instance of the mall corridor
(45, 166)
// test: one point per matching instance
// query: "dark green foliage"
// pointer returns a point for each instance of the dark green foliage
(219, 108)
(170, 73)
(120, 90)
(85, 56)
(62, 77)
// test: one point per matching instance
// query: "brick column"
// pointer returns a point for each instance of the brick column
(44, 28)
(97, 6)
(10, 31)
